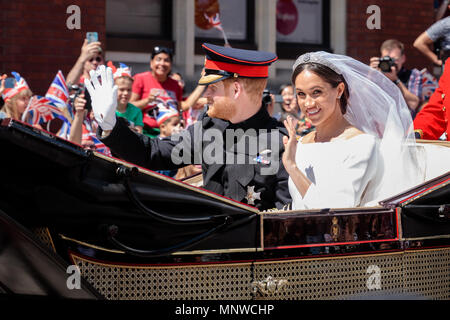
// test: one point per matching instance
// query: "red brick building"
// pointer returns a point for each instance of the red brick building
(402, 20)
(36, 42)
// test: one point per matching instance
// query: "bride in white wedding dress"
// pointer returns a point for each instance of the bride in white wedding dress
(363, 149)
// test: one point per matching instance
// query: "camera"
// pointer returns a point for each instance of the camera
(266, 98)
(386, 63)
(77, 90)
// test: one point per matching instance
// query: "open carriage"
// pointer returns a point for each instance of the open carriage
(135, 234)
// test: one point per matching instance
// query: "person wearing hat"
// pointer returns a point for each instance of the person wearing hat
(169, 123)
(124, 82)
(246, 167)
(156, 88)
(16, 98)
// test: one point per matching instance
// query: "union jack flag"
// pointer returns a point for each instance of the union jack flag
(58, 92)
(429, 85)
(214, 20)
(216, 23)
(41, 110)
(90, 135)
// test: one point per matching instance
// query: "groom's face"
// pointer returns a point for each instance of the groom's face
(220, 101)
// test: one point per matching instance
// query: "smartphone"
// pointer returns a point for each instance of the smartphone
(92, 36)
(10, 82)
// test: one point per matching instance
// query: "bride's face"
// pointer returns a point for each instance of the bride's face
(317, 99)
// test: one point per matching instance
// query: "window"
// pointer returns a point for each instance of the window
(138, 25)
(302, 26)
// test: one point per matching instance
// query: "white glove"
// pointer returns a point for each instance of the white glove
(103, 97)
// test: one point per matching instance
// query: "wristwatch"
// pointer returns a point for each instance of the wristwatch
(397, 81)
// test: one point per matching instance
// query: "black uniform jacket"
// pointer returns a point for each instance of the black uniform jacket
(246, 167)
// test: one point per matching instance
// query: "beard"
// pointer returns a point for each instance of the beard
(223, 108)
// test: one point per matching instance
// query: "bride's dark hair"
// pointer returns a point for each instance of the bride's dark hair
(329, 76)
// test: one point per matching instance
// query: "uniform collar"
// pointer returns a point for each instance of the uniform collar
(258, 120)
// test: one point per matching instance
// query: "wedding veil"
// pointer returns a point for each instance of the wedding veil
(376, 106)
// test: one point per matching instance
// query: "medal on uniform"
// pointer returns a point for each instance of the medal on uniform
(252, 195)
(262, 158)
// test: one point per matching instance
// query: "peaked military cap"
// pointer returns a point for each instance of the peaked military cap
(225, 62)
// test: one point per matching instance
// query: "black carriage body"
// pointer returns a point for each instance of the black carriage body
(99, 212)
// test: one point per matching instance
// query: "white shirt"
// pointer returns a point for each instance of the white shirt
(343, 173)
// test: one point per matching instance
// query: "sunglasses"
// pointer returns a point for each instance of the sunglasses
(158, 50)
(98, 59)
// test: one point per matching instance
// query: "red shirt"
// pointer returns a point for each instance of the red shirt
(169, 94)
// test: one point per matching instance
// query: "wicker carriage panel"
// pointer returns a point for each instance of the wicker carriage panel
(333, 278)
(427, 273)
(219, 282)
(43, 234)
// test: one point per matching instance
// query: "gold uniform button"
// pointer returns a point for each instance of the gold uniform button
(443, 109)
(443, 96)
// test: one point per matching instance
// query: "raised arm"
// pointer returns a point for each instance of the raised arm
(156, 154)
(76, 129)
(301, 182)
(423, 44)
(88, 50)
(194, 98)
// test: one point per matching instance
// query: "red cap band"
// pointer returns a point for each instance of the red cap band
(240, 69)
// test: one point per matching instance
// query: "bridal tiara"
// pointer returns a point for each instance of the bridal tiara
(315, 57)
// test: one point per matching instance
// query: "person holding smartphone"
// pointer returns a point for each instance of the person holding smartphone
(83, 126)
(90, 58)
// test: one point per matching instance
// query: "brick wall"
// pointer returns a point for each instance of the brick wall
(400, 19)
(35, 41)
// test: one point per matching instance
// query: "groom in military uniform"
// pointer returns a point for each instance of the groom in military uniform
(237, 143)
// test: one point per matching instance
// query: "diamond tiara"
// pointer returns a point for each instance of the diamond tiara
(315, 58)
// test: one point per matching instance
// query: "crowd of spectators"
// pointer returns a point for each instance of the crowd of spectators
(155, 103)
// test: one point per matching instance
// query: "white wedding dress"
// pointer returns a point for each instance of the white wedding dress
(348, 173)
(343, 173)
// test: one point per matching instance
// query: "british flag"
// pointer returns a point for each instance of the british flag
(429, 85)
(214, 20)
(41, 111)
(58, 92)
(90, 135)
(216, 23)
